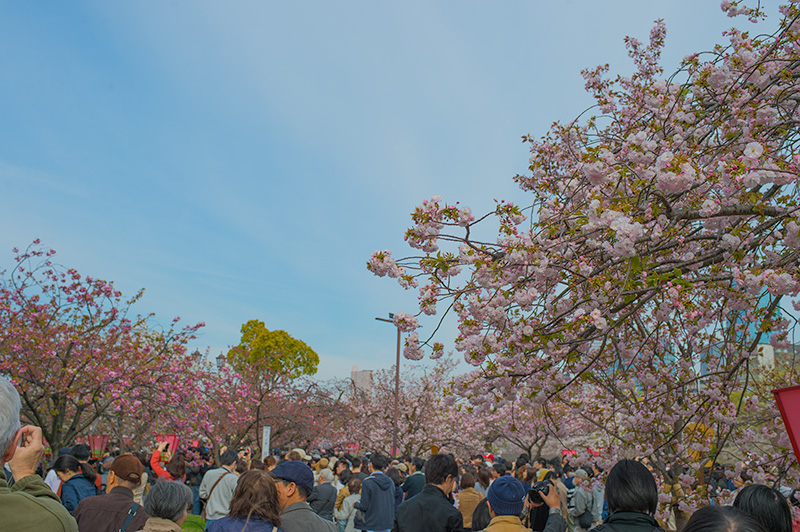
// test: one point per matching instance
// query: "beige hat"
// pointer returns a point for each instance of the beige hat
(581, 473)
(302, 453)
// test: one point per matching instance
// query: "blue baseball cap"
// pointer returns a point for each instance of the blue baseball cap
(295, 471)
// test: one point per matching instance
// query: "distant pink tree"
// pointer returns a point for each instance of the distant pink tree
(430, 414)
(77, 357)
(654, 256)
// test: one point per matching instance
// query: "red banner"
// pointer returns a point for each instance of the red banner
(788, 400)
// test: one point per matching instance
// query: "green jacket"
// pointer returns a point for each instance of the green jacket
(31, 506)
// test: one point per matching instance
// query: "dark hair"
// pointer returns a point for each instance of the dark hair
(257, 464)
(541, 461)
(378, 461)
(418, 463)
(467, 481)
(270, 461)
(630, 487)
(255, 494)
(395, 475)
(356, 462)
(765, 505)
(354, 485)
(241, 466)
(500, 468)
(68, 462)
(722, 519)
(228, 457)
(481, 516)
(439, 467)
(484, 478)
(345, 476)
(176, 466)
(168, 500)
(294, 455)
(81, 451)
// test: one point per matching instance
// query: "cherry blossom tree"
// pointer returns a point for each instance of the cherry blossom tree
(430, 414)
(653, 258)
(69, 344)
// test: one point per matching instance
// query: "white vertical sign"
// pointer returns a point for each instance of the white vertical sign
(265, 442)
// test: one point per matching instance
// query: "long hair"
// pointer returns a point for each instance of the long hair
(68, 462)
(256, 494)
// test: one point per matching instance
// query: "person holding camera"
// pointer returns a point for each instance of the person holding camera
(536, 515)
(507, 498)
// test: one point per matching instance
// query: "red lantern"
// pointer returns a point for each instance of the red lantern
(98, 444)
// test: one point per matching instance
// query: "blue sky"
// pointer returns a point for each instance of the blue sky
(242, 160)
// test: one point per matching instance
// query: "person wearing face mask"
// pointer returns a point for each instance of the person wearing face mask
(432, 510)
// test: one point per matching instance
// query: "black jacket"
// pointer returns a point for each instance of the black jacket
(628, 522)
(430, 511)
(322, 500)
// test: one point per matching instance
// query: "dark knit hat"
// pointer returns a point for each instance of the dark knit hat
(294, 471)
(127, 467)
(506, 496)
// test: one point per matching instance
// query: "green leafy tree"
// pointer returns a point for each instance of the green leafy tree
(270, 361)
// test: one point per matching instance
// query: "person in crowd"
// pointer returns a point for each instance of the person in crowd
(377, 497)
(294, 484)
(498, 470)
(345, 515)
(484, 481)
(358, 464)
(432, 510)
(51, 479)
(116, 510)
(632, 498)
(29, 505)
(717, 518)
(583, 500)
(341, 466)
(78, 481)
(167, 503)
(766, 505)
(323, 497)
(270, 462)
(481, 517)
(344, 492)
(414, 482)
(599, 495)
(176, 467)
(254, 506)
(397, 478)
(506, 500)
(83, 453)
(540, 467)
(218, 486)
(468, 499)
(138, 492)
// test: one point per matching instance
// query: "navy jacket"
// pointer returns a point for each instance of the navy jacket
(75, 490)
(377, 502)
(233, 524)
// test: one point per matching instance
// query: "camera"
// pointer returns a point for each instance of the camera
(535, 493)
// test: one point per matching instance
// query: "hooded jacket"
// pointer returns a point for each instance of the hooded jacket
(377, 503)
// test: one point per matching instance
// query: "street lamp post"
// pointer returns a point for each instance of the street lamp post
(396, 386)
(221, 359)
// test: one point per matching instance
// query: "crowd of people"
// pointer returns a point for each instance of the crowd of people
(337, 492)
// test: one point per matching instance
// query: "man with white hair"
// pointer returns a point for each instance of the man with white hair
(29, 505)
(323, 496)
